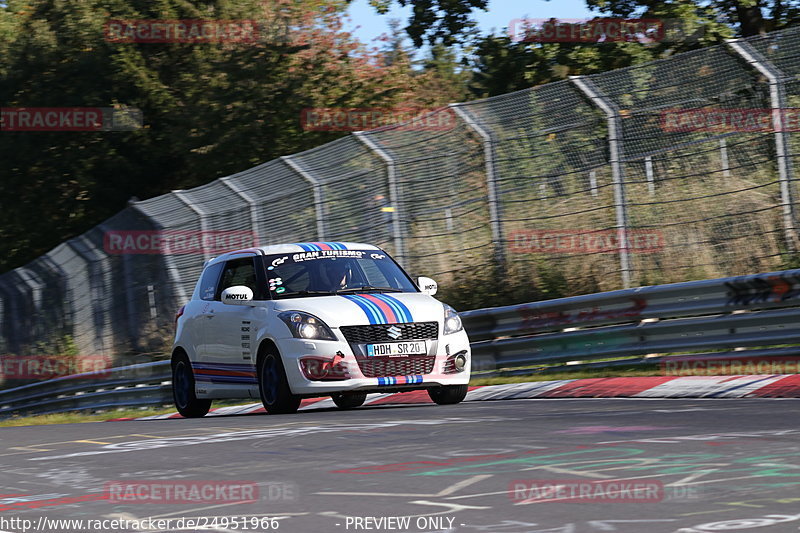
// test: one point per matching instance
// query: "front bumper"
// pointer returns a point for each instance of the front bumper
(446, 347)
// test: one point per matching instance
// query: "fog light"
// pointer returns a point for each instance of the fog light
(460, 362)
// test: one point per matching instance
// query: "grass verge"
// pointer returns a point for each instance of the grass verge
(75, 417)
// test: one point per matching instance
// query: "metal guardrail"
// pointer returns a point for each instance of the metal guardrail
(760, 311)
(128, 386)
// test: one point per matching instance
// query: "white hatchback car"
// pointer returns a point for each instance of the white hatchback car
(292, 321)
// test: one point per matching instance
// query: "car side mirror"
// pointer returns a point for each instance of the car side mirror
(427, 285)
(238, 295)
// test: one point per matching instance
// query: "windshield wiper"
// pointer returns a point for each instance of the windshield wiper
(368, 288)
(308, 293)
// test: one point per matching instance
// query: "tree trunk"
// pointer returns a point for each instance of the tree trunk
(751, 21)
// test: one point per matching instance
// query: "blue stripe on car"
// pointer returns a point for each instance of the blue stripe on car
(400, 310)
(373, 313)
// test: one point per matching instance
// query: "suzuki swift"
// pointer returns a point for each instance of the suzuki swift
(292, 321)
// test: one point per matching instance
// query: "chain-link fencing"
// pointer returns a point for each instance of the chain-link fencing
(661, 172)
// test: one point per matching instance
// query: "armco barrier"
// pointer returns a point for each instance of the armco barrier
(128, 386)
(760, 311)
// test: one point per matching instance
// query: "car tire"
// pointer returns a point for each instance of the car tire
(274, 388)
(183, 394)
(349, 400)
(448, 394)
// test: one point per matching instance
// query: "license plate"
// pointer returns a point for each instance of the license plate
(397, 349)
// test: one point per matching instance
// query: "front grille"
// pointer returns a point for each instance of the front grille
(380, 367)
(378, 333)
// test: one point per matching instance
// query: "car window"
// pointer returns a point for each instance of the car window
(238, 272)
(208, 281)
(333, 271)
(294, 277)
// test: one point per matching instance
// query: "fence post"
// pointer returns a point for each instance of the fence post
(777, 97)
(318, 196)
(651, 178)
(169, 263)
(3, 340)
(615, 149)
(84, 249)
(394, 195)
(11, 312)
(495, 212)
(130, 299)
(201, 216)
(723, 156)
(250, 201)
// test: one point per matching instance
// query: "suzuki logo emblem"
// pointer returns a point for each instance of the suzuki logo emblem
(394, 332)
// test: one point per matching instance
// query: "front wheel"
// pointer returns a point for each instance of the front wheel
(276, 395)
(448, 394)
(349, 400)
(187, 403)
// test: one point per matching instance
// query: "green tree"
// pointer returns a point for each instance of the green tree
(209, 109)
(442, 79)
(746, 17)
(450, 21)
(433, 21)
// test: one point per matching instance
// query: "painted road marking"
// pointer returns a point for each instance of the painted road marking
(445, 492)
(266, 433)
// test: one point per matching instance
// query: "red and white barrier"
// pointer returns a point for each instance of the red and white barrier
(765, 386)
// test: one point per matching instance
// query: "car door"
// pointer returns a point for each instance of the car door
(228, 338)
(196, 314)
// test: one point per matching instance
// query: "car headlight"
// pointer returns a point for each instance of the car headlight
(306, 326)
(452, 322)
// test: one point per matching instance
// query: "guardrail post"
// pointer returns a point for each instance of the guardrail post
(318, 196)
(394, 195)
(201, 215)
(777, 97)
(489, 157)
(615, 150)
(250, 201)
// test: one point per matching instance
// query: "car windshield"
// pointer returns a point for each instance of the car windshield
(330, 272)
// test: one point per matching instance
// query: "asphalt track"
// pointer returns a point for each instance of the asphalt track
(709, 465)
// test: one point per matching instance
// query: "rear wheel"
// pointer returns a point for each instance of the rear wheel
(448, 394)
(187, 403)
(349, 400)
(276, 395)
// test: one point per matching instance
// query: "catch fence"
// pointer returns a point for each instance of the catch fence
(601, 182)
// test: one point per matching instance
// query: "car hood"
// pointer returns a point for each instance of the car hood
(368, 308)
